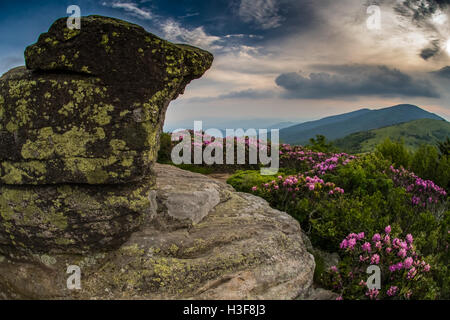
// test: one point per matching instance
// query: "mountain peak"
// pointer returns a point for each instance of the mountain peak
(339, 126)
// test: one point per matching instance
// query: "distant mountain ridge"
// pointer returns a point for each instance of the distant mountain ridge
(342, 125)
(413, 134)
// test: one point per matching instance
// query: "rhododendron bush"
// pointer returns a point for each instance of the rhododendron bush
(333, 195)
(404, 274)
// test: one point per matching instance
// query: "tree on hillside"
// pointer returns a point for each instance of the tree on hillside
(394, 151)
(444, 147)
(320, 144)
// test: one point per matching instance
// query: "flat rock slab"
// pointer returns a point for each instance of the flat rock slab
(240, 249)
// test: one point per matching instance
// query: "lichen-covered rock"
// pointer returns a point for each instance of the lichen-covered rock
(93, 106)
(79, 134)
(71, 218)
(116, 51)
(241, 249)
(73, 129)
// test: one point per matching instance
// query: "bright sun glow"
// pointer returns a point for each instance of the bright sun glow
(439, 18)
(447, 47)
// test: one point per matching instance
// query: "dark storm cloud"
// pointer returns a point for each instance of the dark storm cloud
(252, 94)
(355, 80)
(420, 11)
(443, 73)
(431, 51)
(249, 94)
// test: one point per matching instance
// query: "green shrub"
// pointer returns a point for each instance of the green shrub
(244, 180)
(395, 152)
(425, 162)
(364, 176)
(320, 144)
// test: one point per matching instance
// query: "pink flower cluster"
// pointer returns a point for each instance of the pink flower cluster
(331, 163)
(311, 162)
(424, 193)
(392, 291)
(397, 257)
(298, 185)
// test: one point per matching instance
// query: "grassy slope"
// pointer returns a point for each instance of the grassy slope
(414, 133)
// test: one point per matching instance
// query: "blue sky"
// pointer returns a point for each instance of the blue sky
(277, 60)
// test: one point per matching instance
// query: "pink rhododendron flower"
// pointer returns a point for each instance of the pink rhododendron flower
(366, 247)
(372, 293)
(351, 243)
(376, 237)
(375, 259)
(402, 253)
(392, 291)
(409, 238)
(387, 229)
(408, 263)
(344, 244)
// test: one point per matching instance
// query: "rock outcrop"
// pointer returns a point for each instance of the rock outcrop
(90, 107)
(240, 249)
(79, 135)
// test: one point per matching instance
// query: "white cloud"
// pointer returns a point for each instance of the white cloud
(132, 8)
(265, 13)
(197, 37)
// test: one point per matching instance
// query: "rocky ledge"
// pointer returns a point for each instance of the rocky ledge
(202, 240)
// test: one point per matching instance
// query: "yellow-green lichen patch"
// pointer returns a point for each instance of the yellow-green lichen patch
(104, 43)
(118, 145)
(98, 113)
(49, 144)
(16, 172)
(70, 33)
(85, 69)
(67, 109)
(12, 126)
(24, 208)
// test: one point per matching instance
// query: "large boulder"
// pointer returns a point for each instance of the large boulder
(92, 107)
(102, 42)
(79, 133)
(240, 249)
